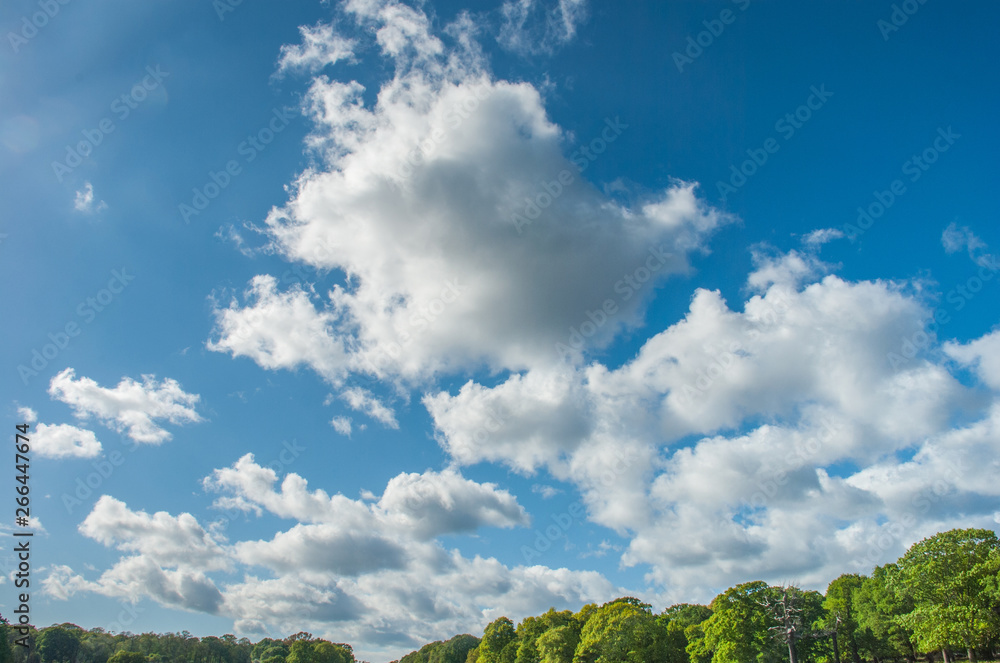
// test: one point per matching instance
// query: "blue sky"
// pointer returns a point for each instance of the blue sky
(378, 301)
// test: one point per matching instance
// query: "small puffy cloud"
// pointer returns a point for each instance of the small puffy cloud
(545, 490)
(250, 487)
(320, 47)
(784, 269)
(342, 425)
(27, 415)
(131, 407)
(982, 354)
(84, 200)
(362, 400)
(280, 330)
(822, 236)
(65, 441)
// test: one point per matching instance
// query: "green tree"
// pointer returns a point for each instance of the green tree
(840, 620)
(269, 648)
(878, 604)
(622, 631)
(739, 629)
(697, 648)
(328, 652)
(529, 630)
(421, 655)
(557, 645)
(499, 644)
(675, 621)
(57, 644)
(300, 651)
(949, 576)
(455, 650)
(6, 656)
(127, 657)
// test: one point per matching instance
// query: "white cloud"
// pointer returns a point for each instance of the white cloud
(546, 491)
(171, 556)
(27, 415)
(536, 26)
(808, 353)
(362, 400)
(342, 425)
(430, 504)
(229, 233)
(955, 238)
(982, 354)
(961, 238)
(65, 441)
(131, 407)
(84, 200)
(165, 539)
(434, 185)
(822, 236)
(137, 577)
(320, 47)
(280, 330)
(417, 506)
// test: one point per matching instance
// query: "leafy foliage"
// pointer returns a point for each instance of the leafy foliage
(949, 576)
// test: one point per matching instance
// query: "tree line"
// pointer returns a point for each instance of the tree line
(940, 599)
(68, 643)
